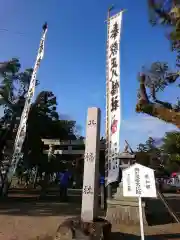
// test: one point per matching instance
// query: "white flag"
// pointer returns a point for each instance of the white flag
(114, 105)
(21, 133)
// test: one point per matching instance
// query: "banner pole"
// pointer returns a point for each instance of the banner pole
(108, 186)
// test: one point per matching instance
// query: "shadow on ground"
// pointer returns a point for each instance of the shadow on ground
(27, 202)
(157, 213)
(125, 236)
(21, 202)
(35, 206)
(39, 208)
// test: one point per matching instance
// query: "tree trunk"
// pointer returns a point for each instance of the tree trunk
(5, 186)
(35, 177)
(159, 111)
(45, 183)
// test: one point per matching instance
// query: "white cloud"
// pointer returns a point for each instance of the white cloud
(148, 125)
(138, 128)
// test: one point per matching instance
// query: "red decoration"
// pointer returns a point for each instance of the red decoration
(114, 126)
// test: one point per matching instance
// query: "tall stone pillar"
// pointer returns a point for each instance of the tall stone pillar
(88, 225)
(91, 166)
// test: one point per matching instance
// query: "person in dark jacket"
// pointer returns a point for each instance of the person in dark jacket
(64, 180)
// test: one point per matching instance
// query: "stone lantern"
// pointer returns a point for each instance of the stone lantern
(126, 159)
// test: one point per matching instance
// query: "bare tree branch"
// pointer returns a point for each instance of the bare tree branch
(159, 109)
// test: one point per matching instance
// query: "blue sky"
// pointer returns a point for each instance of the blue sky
(74, 63)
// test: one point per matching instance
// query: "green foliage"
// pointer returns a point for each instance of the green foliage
(44, 122)
(142, 148)
(167, 14)
(11, 67)
(147, 108)
(149, 146)
(43, 119)
(142, 157)
(13, 89)
(171, 166)
(171, 146)
(148, 153)
(158, 76)
(165, 158)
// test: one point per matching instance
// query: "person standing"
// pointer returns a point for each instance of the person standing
(64, 180)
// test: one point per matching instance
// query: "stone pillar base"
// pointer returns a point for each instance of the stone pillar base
(75, 228)
(124, 211)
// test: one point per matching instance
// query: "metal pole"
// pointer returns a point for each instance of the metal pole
(108, 187)
(171, 212)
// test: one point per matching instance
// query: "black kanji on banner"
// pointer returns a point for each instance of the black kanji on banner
(114, 74)
(114, 103)
(115, 87)
(113, 49)
(115, 31)
(113, 63)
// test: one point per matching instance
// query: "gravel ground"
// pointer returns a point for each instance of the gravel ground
(25, 227)
(28, 218)
(29, 227)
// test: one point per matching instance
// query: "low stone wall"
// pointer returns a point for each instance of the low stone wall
(124, 212)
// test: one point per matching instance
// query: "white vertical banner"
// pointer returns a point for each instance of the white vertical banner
(114, 101)
(21, 133)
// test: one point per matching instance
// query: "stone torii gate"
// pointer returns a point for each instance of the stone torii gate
(67, 147)
(74, 148)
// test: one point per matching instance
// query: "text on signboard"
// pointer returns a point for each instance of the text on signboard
(128, 182)
(147, 181)
(137, 181)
